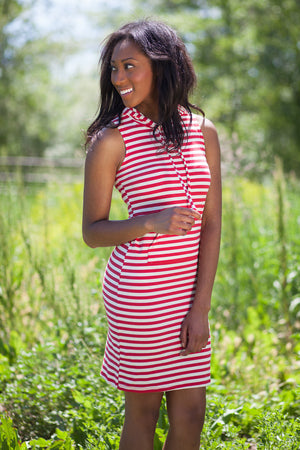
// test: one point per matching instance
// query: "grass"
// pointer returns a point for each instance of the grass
(53, 326)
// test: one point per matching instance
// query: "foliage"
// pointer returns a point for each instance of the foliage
(57, 386)
(24, 82)
(246, 67)
(32, 101)
(53, 328)
(247, 74)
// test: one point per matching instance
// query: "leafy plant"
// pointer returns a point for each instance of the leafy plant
(54, 332)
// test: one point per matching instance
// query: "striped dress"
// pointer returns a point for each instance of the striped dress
(149, 283)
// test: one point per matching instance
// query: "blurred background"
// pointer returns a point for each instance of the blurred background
(52, 321)
(246, 54)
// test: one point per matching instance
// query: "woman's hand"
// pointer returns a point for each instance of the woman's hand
(194, 332)
(176, 220)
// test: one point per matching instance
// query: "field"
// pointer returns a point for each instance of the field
(53, 326)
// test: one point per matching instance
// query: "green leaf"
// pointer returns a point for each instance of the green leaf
(230, 413)
(57, 444)
(81, 399)
(294, 304)
(8, 433)
(23, 446)
(157, 443)
(41, 442)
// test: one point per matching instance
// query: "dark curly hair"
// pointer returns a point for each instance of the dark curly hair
(174, 74)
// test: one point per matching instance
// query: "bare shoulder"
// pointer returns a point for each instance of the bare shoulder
(211, 140)
(207, 127)
(106, 147)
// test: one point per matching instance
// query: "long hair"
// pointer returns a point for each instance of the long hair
(174, 77)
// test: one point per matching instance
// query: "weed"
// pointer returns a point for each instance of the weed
(53, 326)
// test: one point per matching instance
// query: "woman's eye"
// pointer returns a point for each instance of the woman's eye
(126, 66)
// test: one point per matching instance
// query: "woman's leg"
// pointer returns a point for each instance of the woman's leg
(141, 415)
(186, 410)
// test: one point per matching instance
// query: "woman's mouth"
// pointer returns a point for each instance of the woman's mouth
(125, 91)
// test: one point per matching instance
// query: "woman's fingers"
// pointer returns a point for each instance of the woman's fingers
(186, 212)
(194, 333)
(184, 219)
(175, 220)
(193, 345)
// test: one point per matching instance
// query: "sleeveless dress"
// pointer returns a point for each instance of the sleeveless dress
(149, 283)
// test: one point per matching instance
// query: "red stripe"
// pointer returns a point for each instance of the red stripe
(150, 282)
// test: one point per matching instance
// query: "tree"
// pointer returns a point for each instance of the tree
(25, 121)
(247, 57)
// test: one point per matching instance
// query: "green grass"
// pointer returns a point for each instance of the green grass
(53, 325)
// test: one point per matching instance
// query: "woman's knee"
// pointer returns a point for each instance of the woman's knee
(143, 408)
(187, 412)
(188, 420)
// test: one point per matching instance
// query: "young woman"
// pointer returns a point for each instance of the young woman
(165, 161)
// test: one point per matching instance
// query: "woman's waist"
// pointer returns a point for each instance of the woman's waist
(160, 247)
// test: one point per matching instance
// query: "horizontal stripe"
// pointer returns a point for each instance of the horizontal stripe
(149, 283)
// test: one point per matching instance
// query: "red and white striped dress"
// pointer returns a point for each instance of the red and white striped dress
(149, 283)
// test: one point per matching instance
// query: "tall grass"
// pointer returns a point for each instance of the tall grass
(259, 262)
(53, 326)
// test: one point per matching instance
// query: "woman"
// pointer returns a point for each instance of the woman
(157, 287)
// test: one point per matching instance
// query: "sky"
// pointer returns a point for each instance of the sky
(74, 17)
(75, 21)
(65, 17)
(72, 20)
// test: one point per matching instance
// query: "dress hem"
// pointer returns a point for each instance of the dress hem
(142, 390)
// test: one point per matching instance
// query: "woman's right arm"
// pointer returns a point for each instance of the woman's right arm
(102, 162)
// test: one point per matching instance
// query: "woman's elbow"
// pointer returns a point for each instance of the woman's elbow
(88, 238)
(88, 242)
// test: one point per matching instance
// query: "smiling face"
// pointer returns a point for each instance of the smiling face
(132, 77)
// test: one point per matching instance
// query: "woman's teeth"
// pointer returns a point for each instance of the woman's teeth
(125, 91)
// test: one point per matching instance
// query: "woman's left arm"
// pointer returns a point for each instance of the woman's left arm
(195, 327)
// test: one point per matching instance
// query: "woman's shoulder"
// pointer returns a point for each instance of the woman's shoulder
(105, 137)
(207, 127)
(210, 136)
(106, 144)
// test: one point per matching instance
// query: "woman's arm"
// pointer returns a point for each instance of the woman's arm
(195, 328)
(102, 162)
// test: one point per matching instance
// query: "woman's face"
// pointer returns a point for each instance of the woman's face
(132, 77)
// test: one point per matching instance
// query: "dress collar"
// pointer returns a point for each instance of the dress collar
(139, 117)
